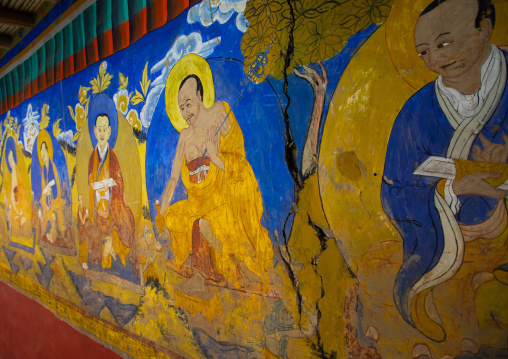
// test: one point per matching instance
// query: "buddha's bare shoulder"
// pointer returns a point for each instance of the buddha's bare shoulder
(218, 107)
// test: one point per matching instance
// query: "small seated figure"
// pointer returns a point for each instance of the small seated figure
(148, 250)
(279, 329)
(82, 216)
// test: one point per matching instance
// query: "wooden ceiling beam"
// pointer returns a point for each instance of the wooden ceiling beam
(5, 41)
(16, 18)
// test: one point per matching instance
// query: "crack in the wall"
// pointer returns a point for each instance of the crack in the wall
(291, 150)
(318, 310)
(290, 155)
(323, 238)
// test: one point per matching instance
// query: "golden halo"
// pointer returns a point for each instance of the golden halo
(401, 44)
(187, 65)
(44, 136)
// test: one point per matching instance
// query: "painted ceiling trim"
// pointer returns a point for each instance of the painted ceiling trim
(62, 13)
(75, 35)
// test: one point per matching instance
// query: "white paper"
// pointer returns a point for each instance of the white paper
(104, 184)
(48, 187)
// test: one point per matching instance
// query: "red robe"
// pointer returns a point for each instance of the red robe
(119, 216)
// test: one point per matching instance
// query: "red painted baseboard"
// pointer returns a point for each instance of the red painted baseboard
(28, 330)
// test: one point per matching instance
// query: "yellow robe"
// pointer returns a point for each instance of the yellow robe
(231, 201)
(21, 231)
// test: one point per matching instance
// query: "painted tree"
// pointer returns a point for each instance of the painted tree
(295, 36)
(286, 36)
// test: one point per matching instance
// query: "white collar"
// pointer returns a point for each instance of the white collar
(469, 105)
(102, 153)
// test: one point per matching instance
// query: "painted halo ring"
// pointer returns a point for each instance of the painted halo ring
(187, 65)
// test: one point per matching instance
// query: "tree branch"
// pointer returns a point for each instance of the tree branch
(319, 85)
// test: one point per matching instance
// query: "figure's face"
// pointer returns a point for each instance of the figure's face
(10, 158)
(44, 154)
(448, 41)
(286, 317)
(102, 131)
(189, 101)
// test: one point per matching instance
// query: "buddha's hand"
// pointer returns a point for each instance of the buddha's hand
(475, 184)
(492, 152)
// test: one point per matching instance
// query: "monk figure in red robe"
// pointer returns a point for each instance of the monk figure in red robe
(110, 229)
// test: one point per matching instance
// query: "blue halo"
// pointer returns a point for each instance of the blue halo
(103, 103)
(10, 145)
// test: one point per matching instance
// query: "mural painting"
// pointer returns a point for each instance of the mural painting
(51, 190)
(273, 179)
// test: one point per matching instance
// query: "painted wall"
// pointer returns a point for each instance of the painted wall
(273, 179)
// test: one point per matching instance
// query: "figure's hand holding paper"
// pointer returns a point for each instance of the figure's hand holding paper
(455, 169)
(47, 190)
(104, 184)
(102, 188)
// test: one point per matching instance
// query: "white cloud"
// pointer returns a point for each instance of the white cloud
(30, 128)
(207, 12)
(183, 45)
(241, 22)
(66, 137)
(151, 103)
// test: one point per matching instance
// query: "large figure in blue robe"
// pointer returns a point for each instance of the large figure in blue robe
(434, 241)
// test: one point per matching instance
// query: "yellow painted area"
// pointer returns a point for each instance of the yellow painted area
(209, 307)
(331, 271)
(353, 148)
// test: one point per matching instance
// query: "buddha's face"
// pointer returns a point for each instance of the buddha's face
(44, 154)
(102, 131)
(447, 39)
(189, 101)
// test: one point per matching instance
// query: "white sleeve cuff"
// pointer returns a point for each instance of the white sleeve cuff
(450, 197)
